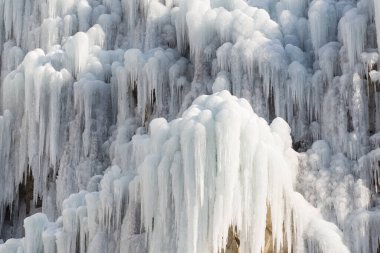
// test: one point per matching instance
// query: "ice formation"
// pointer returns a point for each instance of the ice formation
(119, 133)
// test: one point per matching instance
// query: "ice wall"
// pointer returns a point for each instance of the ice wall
(83, 78)
(186, 182)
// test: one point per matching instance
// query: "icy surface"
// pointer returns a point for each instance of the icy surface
(220, 165)
(106, 130)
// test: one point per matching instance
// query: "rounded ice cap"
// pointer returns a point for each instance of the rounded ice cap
(282, 128)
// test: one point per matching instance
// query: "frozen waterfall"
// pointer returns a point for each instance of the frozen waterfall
(141, 126)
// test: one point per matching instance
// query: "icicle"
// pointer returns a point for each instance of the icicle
(11, 246)
(84, 15)
(34, 226)
(352, 28)
(377, 20)
(329, 59)
(77, 49)
(297, 83)
(323, 20)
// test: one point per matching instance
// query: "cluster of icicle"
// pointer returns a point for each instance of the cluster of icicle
(184, 184)
(81, 79)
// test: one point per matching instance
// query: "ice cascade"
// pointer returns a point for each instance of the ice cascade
(140, 125)
(186, 183)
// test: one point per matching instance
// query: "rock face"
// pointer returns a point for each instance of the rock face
(233, 241)
(268, 235)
